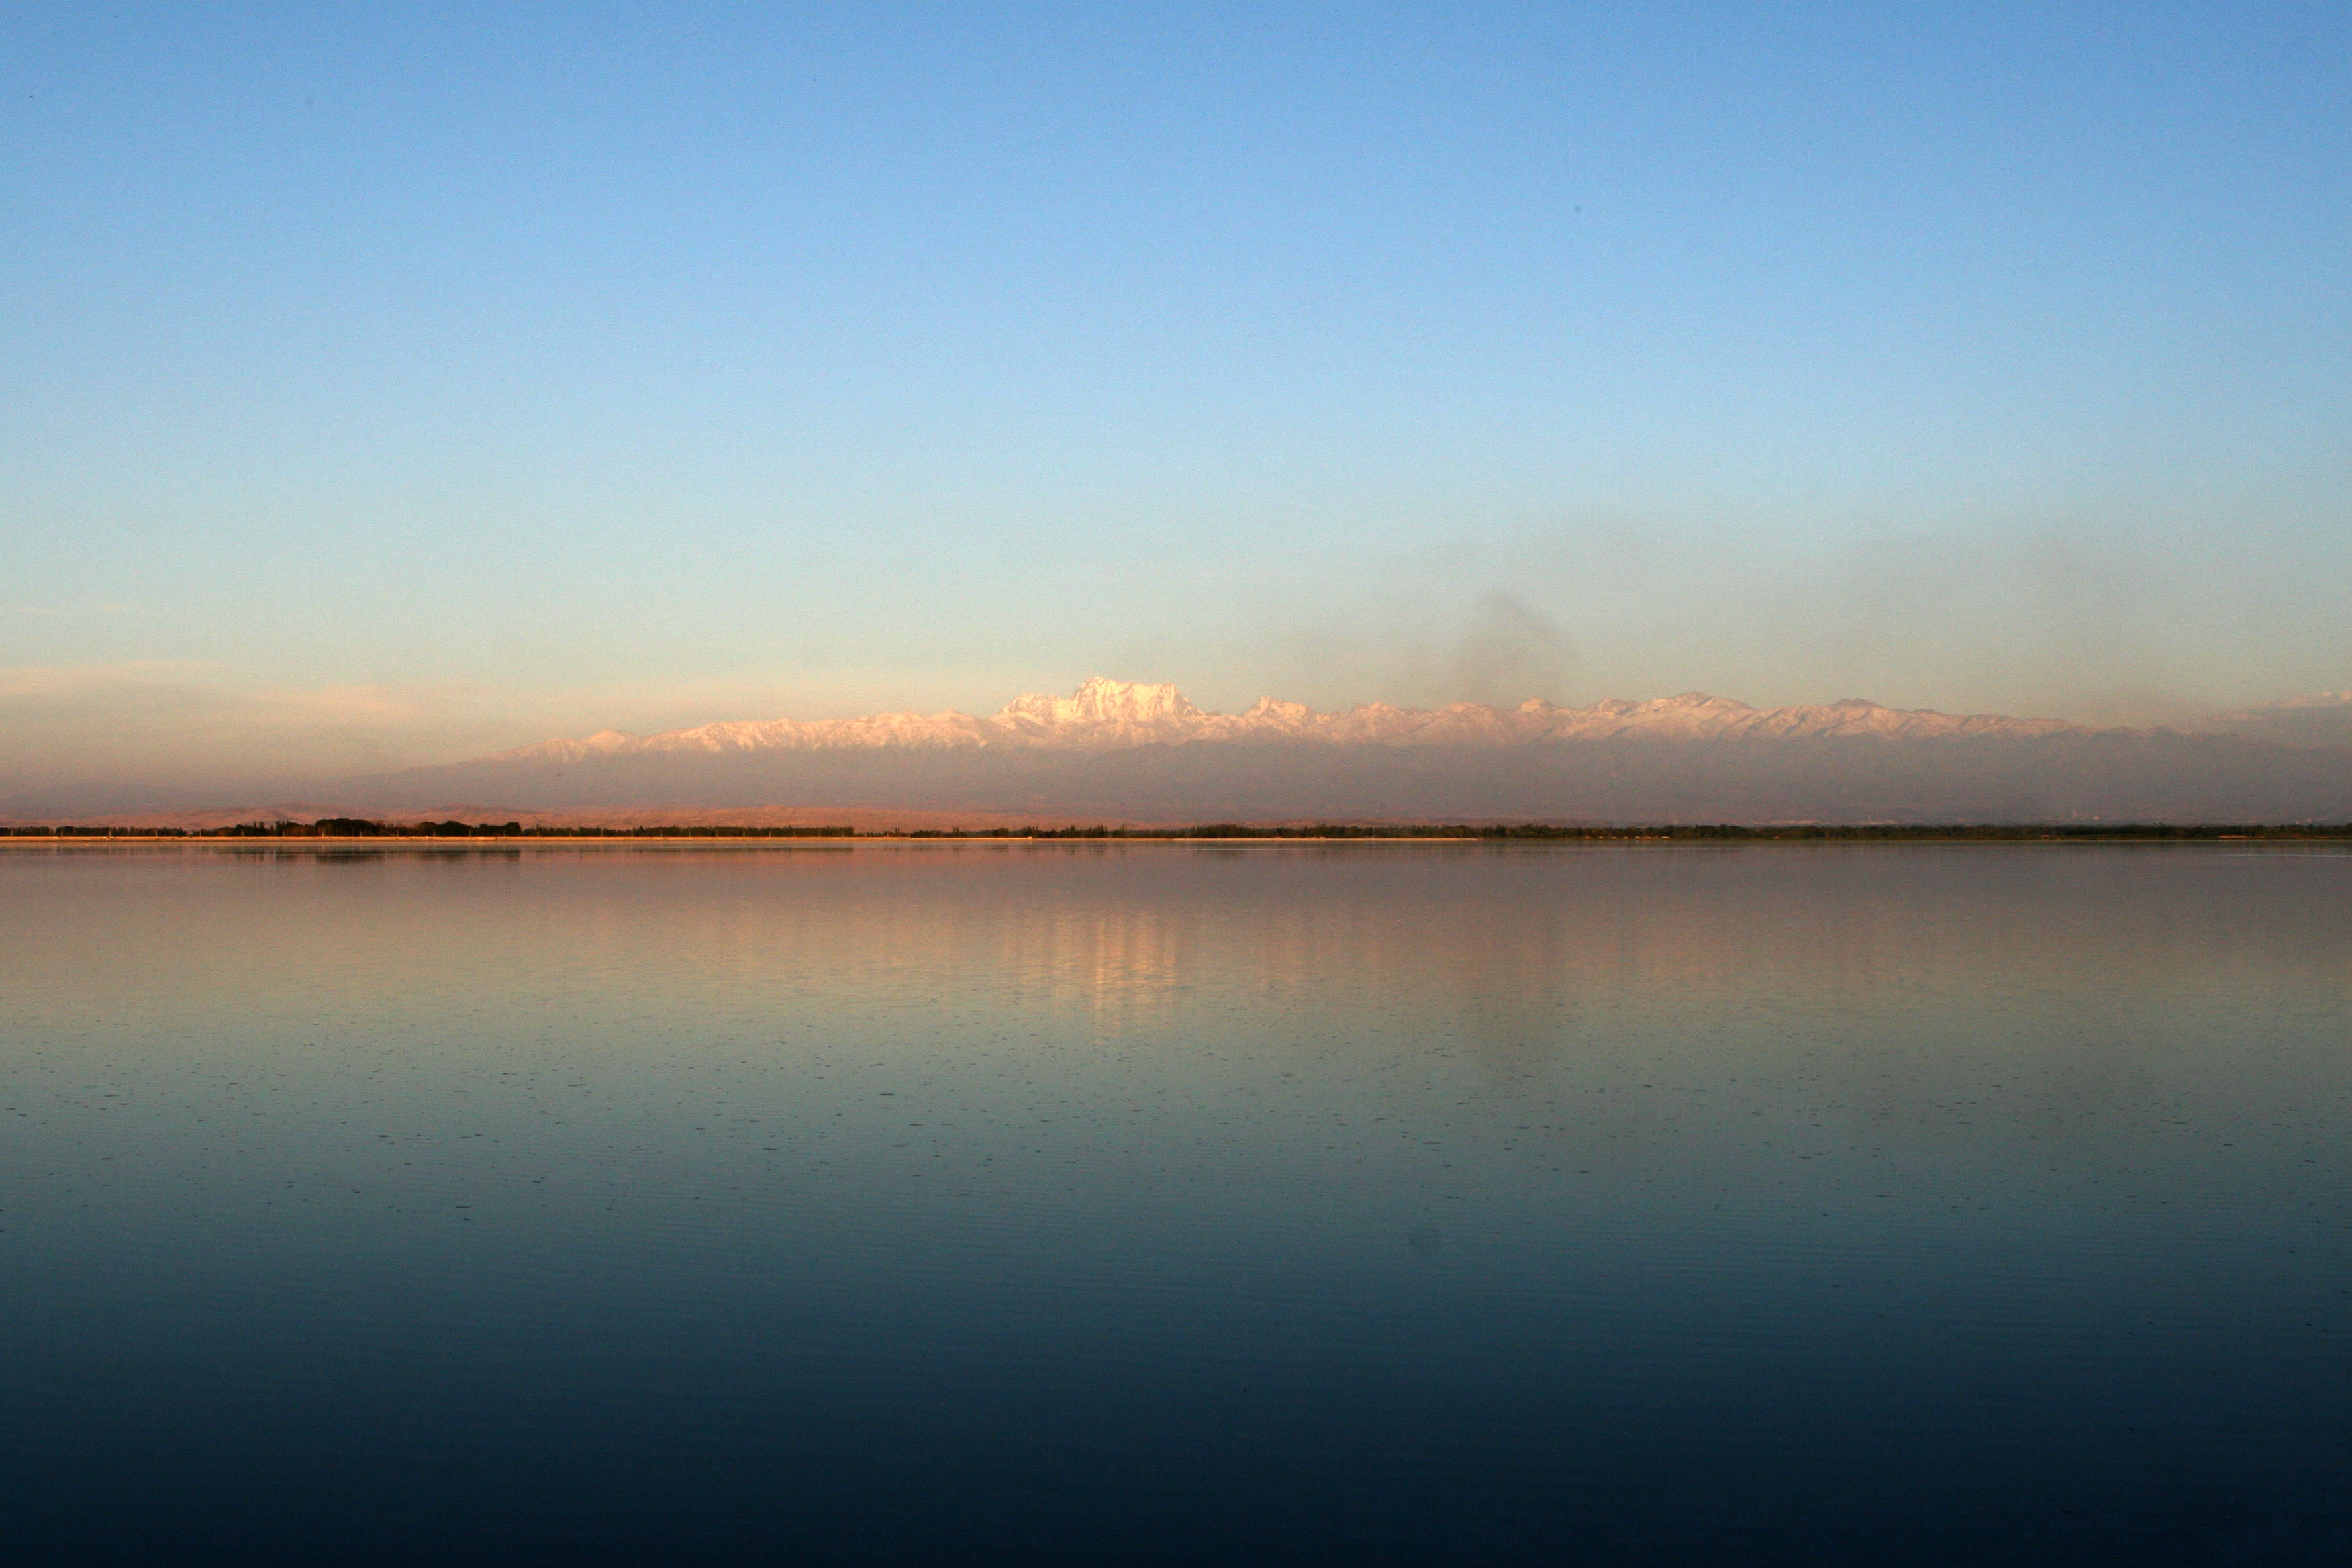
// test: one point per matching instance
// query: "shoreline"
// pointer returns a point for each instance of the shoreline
(1514, 836)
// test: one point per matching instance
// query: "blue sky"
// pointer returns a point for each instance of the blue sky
(383, 383)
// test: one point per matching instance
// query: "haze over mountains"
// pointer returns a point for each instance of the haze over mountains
(1107, 714)
(1116, 750)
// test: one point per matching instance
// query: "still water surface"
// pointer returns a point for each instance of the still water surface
(1158, 1204)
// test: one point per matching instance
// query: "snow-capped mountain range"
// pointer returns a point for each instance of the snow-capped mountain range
(1119, 750)
(1105, 714)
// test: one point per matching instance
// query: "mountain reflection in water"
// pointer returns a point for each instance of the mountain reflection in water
(1156, 1203)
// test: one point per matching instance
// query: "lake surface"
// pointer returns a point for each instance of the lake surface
(1161, 1203)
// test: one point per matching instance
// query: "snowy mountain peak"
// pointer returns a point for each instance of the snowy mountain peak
(1698, 702)
(1102, 700)
(1109, 715)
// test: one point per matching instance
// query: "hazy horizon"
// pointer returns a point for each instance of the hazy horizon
(390, 388)
(1144, 754)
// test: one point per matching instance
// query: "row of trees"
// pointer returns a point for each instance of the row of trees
(363, 827)
(1999, 832)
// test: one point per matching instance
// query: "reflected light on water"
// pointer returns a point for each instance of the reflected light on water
(1170, 1204)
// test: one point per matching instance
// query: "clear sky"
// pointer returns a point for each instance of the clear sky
(383, 383)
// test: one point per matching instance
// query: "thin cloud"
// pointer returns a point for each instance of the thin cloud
(35, 681)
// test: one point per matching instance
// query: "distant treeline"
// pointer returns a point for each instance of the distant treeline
(362, 828)
(2004, 832)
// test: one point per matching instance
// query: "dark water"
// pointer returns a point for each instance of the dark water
(1168, 1205)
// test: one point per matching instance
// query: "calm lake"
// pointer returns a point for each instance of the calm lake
(1177, 1204)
